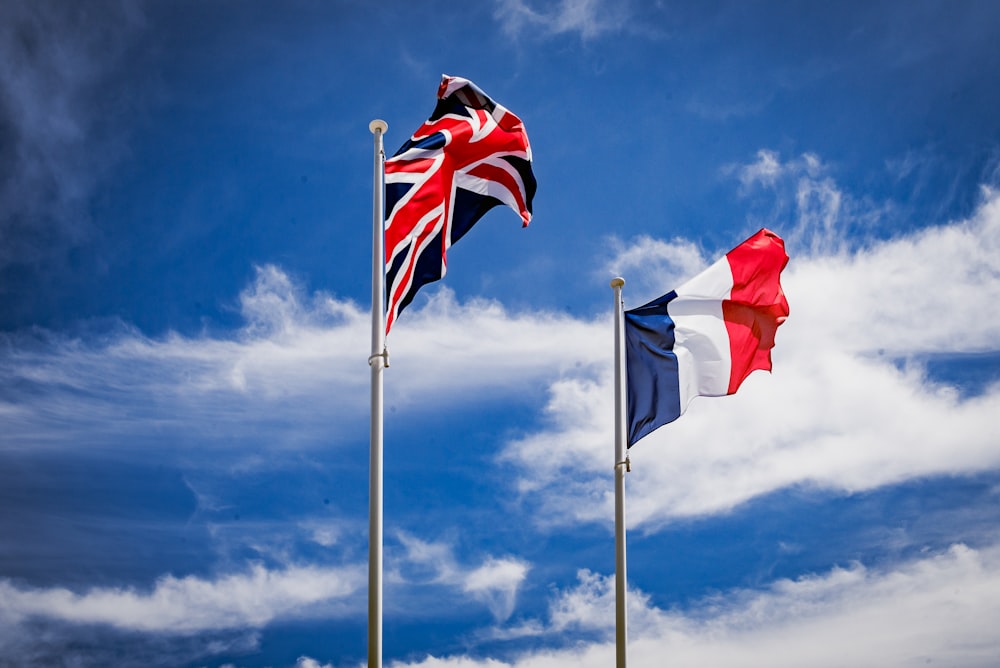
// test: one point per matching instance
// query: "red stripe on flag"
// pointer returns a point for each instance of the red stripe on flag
(756, 305)
(510, 182)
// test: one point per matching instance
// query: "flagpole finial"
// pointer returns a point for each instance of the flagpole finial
(378, 125)
(617, 282)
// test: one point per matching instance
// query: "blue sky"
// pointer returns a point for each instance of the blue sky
(185, 211)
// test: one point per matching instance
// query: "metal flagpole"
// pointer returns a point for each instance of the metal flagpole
(621, 466)
(378, 360)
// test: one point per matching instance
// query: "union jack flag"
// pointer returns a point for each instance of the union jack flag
(471, 155)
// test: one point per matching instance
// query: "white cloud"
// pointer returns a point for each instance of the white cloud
(494, 582)
(299, 360)
(458, 348)
(589, 18)
(765, 170)
(940, 609)
(307, 662)
(425, 561)
(189, 604)
(325, 534)
(452, 662)
(920, 293)
(126, 390)
(591, 604)
(257, 596)
(652, 264)
(847, 408)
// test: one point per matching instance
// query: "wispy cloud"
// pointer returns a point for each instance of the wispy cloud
(188, 604)
(494, 582)
(652, 263)
(307, 662)
(121, 389)
(818, 215)
(765, 170)
(55, 59)
(588, 18)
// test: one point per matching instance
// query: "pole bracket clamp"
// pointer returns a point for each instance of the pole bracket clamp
(384, 355)
(627, 463)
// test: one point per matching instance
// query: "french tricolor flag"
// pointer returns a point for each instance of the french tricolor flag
(705, 337)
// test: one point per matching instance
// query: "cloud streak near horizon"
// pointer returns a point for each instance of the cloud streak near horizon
(941, 605)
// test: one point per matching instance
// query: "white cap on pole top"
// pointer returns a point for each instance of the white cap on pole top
(617, 282)
(378, 125)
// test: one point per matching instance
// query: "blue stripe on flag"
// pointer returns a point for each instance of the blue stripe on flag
(653, 382)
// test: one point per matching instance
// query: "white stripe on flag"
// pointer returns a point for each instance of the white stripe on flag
(704, 361)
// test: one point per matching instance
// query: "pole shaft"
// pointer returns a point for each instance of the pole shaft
(377, 363)
(621, 454)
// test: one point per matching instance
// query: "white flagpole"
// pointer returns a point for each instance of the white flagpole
(621, 466)
(378, 360)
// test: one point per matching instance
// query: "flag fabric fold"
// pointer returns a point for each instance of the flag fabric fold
(471, 155)
(705, 337)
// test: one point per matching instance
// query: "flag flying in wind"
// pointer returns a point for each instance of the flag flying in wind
(471, 155)
(705, 337)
